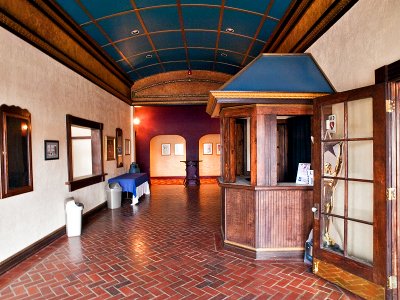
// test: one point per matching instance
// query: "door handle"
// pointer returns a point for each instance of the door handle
(315, 210)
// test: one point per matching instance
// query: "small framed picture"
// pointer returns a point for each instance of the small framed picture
(110, 148)
(127, 146)
(218, 149)
(51, 150)
(179, 149)
(207, 148)
(165, 149)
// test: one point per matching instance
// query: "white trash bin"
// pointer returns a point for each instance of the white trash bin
(73, 211)
(114, 195)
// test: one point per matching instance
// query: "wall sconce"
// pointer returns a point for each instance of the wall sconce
(136, 121)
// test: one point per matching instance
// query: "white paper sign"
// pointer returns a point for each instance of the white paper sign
(302, 173)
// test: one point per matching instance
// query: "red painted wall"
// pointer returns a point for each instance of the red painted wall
(190, 121)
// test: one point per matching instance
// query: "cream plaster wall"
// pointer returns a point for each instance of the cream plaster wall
(49, 90)
(210, 165)
(364, 39)
(167, 165)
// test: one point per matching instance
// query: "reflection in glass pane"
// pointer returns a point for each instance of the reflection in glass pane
(360, 160)
(360, 118)
(360, 200)
(332, 233)
(333, 197)
(17, 152)
(360, 241)
(333, 159)
(332, 121)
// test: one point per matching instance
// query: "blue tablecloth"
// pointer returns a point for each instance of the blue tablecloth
(130, 181)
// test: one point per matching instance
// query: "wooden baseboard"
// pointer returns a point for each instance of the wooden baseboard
(17, 258)
(265, 254)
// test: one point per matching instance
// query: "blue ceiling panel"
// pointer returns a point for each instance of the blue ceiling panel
(201, 54)
(116, 20)
(101, 8)
(140, 61)
(159, 19)
(150, 71)
(172, 55)
(74, 10)
(230, 58)
(150, 3)
(125, 66)
(164, 40)
(202, 65)
(201, 39)
(197, 17)
(279, 8)
(176, 66)
(112, 52)
(267, 29)
(243, 23)
(209, 2)
(254, 5)
(228, 69)
(120, 27)
(234, 42)
(257, 47)
(95, 33)
(134, 46)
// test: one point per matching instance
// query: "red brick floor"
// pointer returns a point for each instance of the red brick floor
(166, 247)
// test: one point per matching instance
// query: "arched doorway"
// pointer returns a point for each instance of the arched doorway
(210, 155)
(166, 154)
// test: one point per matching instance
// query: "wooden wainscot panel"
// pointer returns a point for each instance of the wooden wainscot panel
(239, 217)
(283, 218)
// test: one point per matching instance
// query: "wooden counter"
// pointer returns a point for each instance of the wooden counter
(266, 222)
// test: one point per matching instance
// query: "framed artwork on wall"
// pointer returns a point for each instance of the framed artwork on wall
(207, 148)
(51, 150)
(127, 147)
(179, 149)
(110, 147)
(218, 149)
(165, 149)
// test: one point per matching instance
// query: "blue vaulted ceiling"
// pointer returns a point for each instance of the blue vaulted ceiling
(147, 37)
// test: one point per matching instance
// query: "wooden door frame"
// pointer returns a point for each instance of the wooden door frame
(390, 74)
(377, 273)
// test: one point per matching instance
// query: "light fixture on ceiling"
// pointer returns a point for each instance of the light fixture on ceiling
(230, 30)
(224, 54)
(135, 32)
(149, 56)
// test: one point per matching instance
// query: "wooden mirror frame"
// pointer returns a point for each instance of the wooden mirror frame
(119, 148)
(16, 112)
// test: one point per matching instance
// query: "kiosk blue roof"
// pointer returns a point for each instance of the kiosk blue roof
(297, 73)
(273, 78)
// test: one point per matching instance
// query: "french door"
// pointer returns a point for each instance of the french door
(352, 161)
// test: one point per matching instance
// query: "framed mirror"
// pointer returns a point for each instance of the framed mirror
(16, 149)
(119, 147)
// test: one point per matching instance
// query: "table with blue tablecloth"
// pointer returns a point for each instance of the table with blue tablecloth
(135, 183)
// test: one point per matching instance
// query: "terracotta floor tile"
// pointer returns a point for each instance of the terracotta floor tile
(166, 247)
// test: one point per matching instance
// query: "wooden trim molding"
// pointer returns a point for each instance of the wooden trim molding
(45, 26)
(45, 241)
(305, 22)
(388, 73)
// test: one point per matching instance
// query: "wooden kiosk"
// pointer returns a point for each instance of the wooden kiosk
(265, 113)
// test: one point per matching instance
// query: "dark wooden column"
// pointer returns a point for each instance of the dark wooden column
(263, 150)
(228, 148)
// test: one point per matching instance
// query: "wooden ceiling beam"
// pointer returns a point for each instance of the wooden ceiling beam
(42, 24)
(304, 23)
